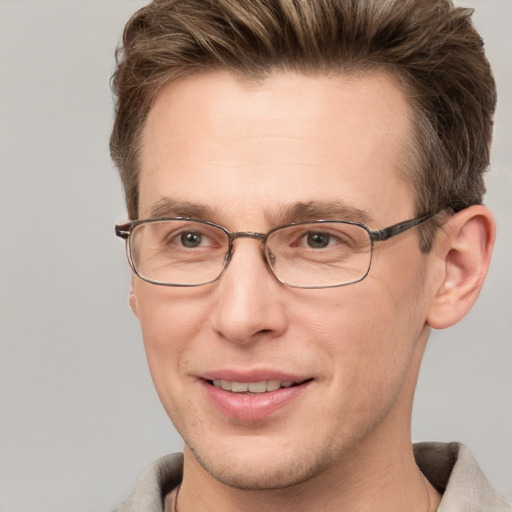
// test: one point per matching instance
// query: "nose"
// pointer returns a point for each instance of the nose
(250, 301)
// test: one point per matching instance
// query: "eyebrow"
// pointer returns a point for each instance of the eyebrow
(321, 210)
(167, 207)
(284, 214)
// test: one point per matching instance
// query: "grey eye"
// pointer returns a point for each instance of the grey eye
(318, 240)
(191, 239)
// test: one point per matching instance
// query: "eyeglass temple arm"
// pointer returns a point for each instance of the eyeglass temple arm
(383, 234)
(123, 230)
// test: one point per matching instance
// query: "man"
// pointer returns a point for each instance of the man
(304, 180)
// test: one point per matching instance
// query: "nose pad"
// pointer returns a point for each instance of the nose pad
(270, 259)
(228, 256)
(270, 256)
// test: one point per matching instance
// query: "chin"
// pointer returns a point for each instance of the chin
(259, 471)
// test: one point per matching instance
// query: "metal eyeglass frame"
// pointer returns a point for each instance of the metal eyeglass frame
(378, 235)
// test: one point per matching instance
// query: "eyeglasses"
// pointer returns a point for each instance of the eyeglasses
(189, 252)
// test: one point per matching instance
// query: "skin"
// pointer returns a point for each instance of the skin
(239, 154)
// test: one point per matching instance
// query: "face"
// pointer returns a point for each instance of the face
(251, 157)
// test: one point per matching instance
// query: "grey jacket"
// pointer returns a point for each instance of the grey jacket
(450, 468)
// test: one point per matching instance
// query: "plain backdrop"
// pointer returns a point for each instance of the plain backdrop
(79, 419)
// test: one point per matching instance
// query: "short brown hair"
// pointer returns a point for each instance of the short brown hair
(430, 46)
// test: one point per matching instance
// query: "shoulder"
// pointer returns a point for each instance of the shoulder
(151, 488)
(452, 469)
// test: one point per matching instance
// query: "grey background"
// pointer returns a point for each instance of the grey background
(79, 419)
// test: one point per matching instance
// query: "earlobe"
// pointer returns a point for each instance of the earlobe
(133, 302)
(463, 250)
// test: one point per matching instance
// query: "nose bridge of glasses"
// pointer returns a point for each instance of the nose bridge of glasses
(255, 235)
(247, 234)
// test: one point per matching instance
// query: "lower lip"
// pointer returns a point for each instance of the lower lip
(254, 407)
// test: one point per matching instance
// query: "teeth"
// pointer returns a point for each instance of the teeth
(272, 385)
(257, 387)
(239, 387)
(224, 384)
(252, 387)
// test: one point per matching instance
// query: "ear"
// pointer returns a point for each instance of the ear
(133, 301)
(463, 250)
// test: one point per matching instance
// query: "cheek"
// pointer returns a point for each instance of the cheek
(399, 270)
(369, 330)
(170, 320)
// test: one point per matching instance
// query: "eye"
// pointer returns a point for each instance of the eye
(318, 240)
(323, 239)
(191, 239)
(183, 236)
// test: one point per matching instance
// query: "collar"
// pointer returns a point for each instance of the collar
(449, 467)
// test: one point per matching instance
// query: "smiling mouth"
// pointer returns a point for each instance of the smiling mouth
(254, 388)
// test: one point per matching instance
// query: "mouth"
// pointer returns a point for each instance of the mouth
(254, 399)
(254, 388)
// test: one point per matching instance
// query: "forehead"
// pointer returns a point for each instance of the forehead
(217, 141)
